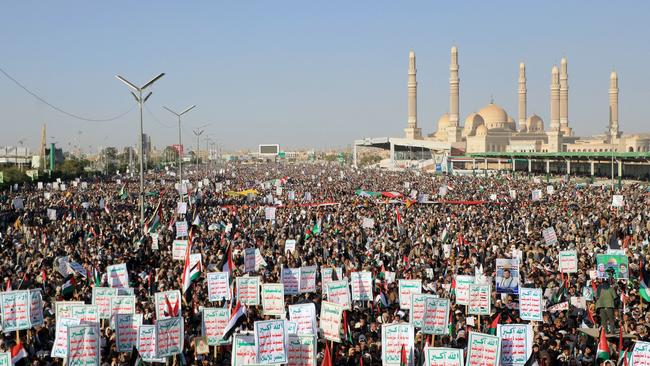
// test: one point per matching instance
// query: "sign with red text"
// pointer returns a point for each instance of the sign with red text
(126, 331)
(308, 279)
(244, 351)
(406, 289)
(60, 347)
(361, 283)
(271, 341)
(516, 343)
(462, 289)
(118, 276)
(87, 314)
(273, 298)
(480, 300)
(435, 356)
(83, 345)
(36, 307)
(568, 261)
(169, 336)
(302, 350)
(248, 290)
(304, 315)
(291, 281)
(218, 286)
(339, 292)
(326, 277)
(102, 299)
(530, 304)
(249, 260)
(483, 350)
(147, 344)
(179, 247)
(213, 324)
(330, 320)
(416, 313)
(640, 354)
(549, 236)
(121, 305)
(393, 337)
(16, 306)
(436, 316)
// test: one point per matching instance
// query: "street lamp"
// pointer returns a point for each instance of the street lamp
(180, 146)
(198, 132)
(140, 101)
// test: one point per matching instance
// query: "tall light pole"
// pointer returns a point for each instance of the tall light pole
(198, 132)
(140, 101)
(180, 147)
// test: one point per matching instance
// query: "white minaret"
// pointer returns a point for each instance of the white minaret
(412, 131)
(555, 99)
(453, 88)
(614, 133)
(564, 99)
(522, 97)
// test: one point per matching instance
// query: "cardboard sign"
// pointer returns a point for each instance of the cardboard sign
(530, 304)
(244, 351)
(516, 343)
(618, 200)
(292, 327)
(166, 300)
(406, 289)
(63, 309)
(368, 223)
(304, 315)
(179, 248)
(271, 340)
(330, 320)
(269, 213)
(154, 241)
(181, 208)
(339, 292)
(273, 299)
(248, 290)
(118, 275)
(36, 307)
(443, 356)
(249, 260)
(214, 321)
(462, 288)
(291, 280)
(308, 279)
(640, 354)
(549, 236)
(126, 331)
(181, 229)
(416, 312)
(361, 286)
(16, 306)
(84, 345)
(147, 344)
(507, 276)
(259, 260)
(483, 350)
(616, 262)
(5, 359)
(550, 190)
(218, 286)
(568, 261)
(301, 350)
(87, 314)
(436, 316)
(326, 277)
(393, 337)
(536, 195)
(60, 347)
(289, 245)
(480, 299)
(169, 336)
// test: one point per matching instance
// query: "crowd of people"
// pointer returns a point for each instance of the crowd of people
(424, 226)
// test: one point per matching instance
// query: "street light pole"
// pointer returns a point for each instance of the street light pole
(180, 147)
(140, 101)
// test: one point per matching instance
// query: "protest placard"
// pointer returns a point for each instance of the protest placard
(269, 213)
(618, 200)
(60, 347)
(330, 320)
(480, 299)
(169, 336)
(273, 298)
(291, 280)
(271, 340)
(550, 189)
(305, 317)
(244, 351)
(568, 261)
(308, 279)
(16, 306)
(483, 350)
(84, 345)
(530, 304)
(126, 331)
(292, 327)
(5, 359)
(536, 194)
(462, 288)
(549, 236)
(248, 290)
(249, 260)
(326, 274)
(214, 321)
(339, 292)
(179, 248)
(438, 356)
(181, 229)
(63, 309)
(168, 304)
(435, 319)
(181, 208)
(507, 276)
(87, 314)
(147, 344)
(640, 354)
(118, 276)
(154, 241)
(393, 337)
(367, 223)
(516, 343)
(301, 350)
(218, 286)
(289, 245)
(361, 283)
(616, 262)
(406, 288)
(259, 260)
(36, 307)
(416, 312)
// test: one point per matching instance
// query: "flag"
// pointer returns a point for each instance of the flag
(403, 359)
(186, 268)
(226, 262)
(237, 317)
(97, 277)
(381, 299)
(444, 236)
(624, 357)
(106, 209)
(327, 358)
(17, 353)
(152, 225)
(603, 348)
(398, 217)
(68, 286)
(44, 277)
(493, 326)
(644, 291)
(171, 311)
(346, 327)
(197, 221)
(8, 285)
(452, 291)
(123, 193)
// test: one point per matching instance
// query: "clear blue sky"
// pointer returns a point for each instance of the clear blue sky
(309, 73)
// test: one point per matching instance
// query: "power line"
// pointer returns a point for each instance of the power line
(41, 99)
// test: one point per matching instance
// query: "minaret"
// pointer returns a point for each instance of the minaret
(522, 97)
(564, 99)
(453, 88)
(412, 131)
(614, 133)
(555, 99)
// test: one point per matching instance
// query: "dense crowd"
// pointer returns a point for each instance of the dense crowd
(419, 232)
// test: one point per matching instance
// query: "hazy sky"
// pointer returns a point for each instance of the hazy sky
(308, 73)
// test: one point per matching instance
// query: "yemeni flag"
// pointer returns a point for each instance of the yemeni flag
(327, 358)
(152, 225)
(17, 353)
(403, 359)
(226, 264)
(68, 286)
(398, 217)
(186, 268)
(236, 319)
(493, 326)
(644, 290)
(603, 347)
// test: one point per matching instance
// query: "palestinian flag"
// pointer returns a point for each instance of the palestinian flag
(17, 353)
(644, 290)
(97, 277)
(403, 358)
(444, 236)
(624, 358)
(493, 326)
(380, 299)
(346, 327)
(152, 225)
(236, 319)
(327, 358)
(603, 347)
(68, 286)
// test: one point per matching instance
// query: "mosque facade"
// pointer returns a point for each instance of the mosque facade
(491, 129)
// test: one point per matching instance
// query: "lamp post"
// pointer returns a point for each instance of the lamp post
(198, 132)
(137, 94)
(180, 147)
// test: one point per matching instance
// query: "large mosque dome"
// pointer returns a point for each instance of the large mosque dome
(494, 116)
(471, 123)
(443, 122)
(535, 123)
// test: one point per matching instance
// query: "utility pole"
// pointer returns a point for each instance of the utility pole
(180, 147)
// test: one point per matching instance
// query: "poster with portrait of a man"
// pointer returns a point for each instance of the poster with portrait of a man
(507, 276)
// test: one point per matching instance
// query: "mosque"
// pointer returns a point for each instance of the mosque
(491, 129)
